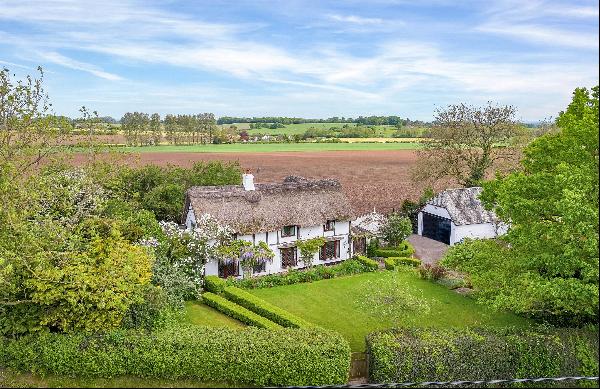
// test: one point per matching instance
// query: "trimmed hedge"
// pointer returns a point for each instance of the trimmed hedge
(405, 249)
(406, 261)
(368, 263)
(264, 309)
(214, 284)
(390, 263)
(251, 356)
(237, 312)
(316, 273)
(428, 354)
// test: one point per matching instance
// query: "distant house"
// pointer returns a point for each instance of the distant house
(279, 214)
(456, 214)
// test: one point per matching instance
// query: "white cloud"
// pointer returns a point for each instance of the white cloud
(543, 22)
(355, 19)
(545, 35)
(15, 65)
(77, 65)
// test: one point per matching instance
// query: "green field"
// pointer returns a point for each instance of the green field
(273, 147)
(293, 129)
(336, 304)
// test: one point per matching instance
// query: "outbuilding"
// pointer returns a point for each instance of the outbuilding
(456, 214)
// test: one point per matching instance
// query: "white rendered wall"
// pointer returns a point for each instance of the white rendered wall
(477, 231)
(276, 241)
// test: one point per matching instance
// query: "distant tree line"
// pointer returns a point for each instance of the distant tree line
(283, 120)
(142, 129)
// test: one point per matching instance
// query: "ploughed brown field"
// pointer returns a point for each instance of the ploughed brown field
(371, 179)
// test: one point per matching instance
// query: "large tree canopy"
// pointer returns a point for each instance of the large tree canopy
(467, 142)
(550, 265)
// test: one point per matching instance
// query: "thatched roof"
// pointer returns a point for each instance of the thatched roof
(464, 206)
(369, 223)
(295, 201)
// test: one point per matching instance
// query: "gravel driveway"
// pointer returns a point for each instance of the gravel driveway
(427, 250)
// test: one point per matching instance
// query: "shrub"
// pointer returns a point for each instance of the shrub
(237, 312)
(320, 272)
(368, 263)
(431, 272)
(395, 229)
(405, 249)
(428, 354)
(390, 263)
(263, 308)
(214, 284)
(405, 261)
(155, 309)
(372, 247)
(250, 356)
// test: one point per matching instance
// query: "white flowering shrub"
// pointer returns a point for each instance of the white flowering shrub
(182, 255)
(68, 197)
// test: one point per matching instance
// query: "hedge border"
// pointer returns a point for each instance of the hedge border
(344, 268)
(251, 356)
(447, 354)
(405, 249)
(263, 308)
(238, 312)
(214, 284)
(415, 262)
(390, 263)
(369, 264)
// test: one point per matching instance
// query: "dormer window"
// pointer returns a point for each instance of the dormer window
(329, 225)
(288, 231)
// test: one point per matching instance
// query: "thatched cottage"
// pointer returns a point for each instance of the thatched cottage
(456, 214)
(279, 214)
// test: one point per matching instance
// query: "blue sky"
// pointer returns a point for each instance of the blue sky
(303, 58)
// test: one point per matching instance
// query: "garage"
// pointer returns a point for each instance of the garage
(436, 227)
(457, 214)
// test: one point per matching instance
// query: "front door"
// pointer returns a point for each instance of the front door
(359, 245)
(436, 227)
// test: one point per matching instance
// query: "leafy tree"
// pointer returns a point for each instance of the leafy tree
(29, 132)
(135, 126)
(65, 267)
(395, 229)
(155, 128)
(165, 201)
(549, 267)
(308, 248)
(467, 142)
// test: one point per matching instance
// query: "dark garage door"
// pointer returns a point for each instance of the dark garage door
(436, 227)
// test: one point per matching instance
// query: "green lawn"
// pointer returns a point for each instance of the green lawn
(274, 147)
(200, 314)
(338, 304)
